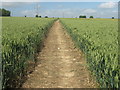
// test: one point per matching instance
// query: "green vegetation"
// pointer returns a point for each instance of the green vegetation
(112, 17)
(46, 16)
(4, 12)
(98, 39)
(21, 38)
(82, 17)
(36, 16)
(91, 17)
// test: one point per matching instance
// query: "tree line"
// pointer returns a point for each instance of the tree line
(41, 16)
(4, 12)
(85, 16)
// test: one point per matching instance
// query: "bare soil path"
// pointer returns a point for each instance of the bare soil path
(60, 64)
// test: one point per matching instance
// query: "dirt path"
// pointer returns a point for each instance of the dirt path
(61, 65)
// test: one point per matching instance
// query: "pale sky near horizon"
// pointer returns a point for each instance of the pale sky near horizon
(66, 9)
(59, 0)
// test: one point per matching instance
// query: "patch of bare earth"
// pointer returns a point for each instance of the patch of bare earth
(60, 64)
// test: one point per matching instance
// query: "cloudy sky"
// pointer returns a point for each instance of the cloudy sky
(69, 9)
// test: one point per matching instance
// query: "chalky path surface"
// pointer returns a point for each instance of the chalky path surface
(60, 64)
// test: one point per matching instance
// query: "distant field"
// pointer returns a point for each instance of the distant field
(93, 19)
(20, 39)
(98, 38)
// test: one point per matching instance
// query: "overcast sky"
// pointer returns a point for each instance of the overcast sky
(66, 9)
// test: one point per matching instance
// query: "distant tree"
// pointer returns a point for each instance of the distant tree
(40, 16)
(0, 12)
(36, 16)
(82, 16)
(91, 17)
(25, 16)
(46, 16)
(112, 17)
(4, 12)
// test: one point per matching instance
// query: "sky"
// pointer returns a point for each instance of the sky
(66, 9)
(58, 0)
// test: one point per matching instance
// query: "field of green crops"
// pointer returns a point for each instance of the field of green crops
(20, 39)
(98, 39)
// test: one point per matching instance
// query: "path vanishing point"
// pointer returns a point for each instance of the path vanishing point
(60, 64)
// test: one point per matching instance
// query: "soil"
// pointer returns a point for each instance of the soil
(60, 64)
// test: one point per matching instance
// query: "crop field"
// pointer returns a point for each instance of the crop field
(21, 38)
(60, 63)
(98, 39)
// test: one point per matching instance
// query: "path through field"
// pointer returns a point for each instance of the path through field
(60, 64)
